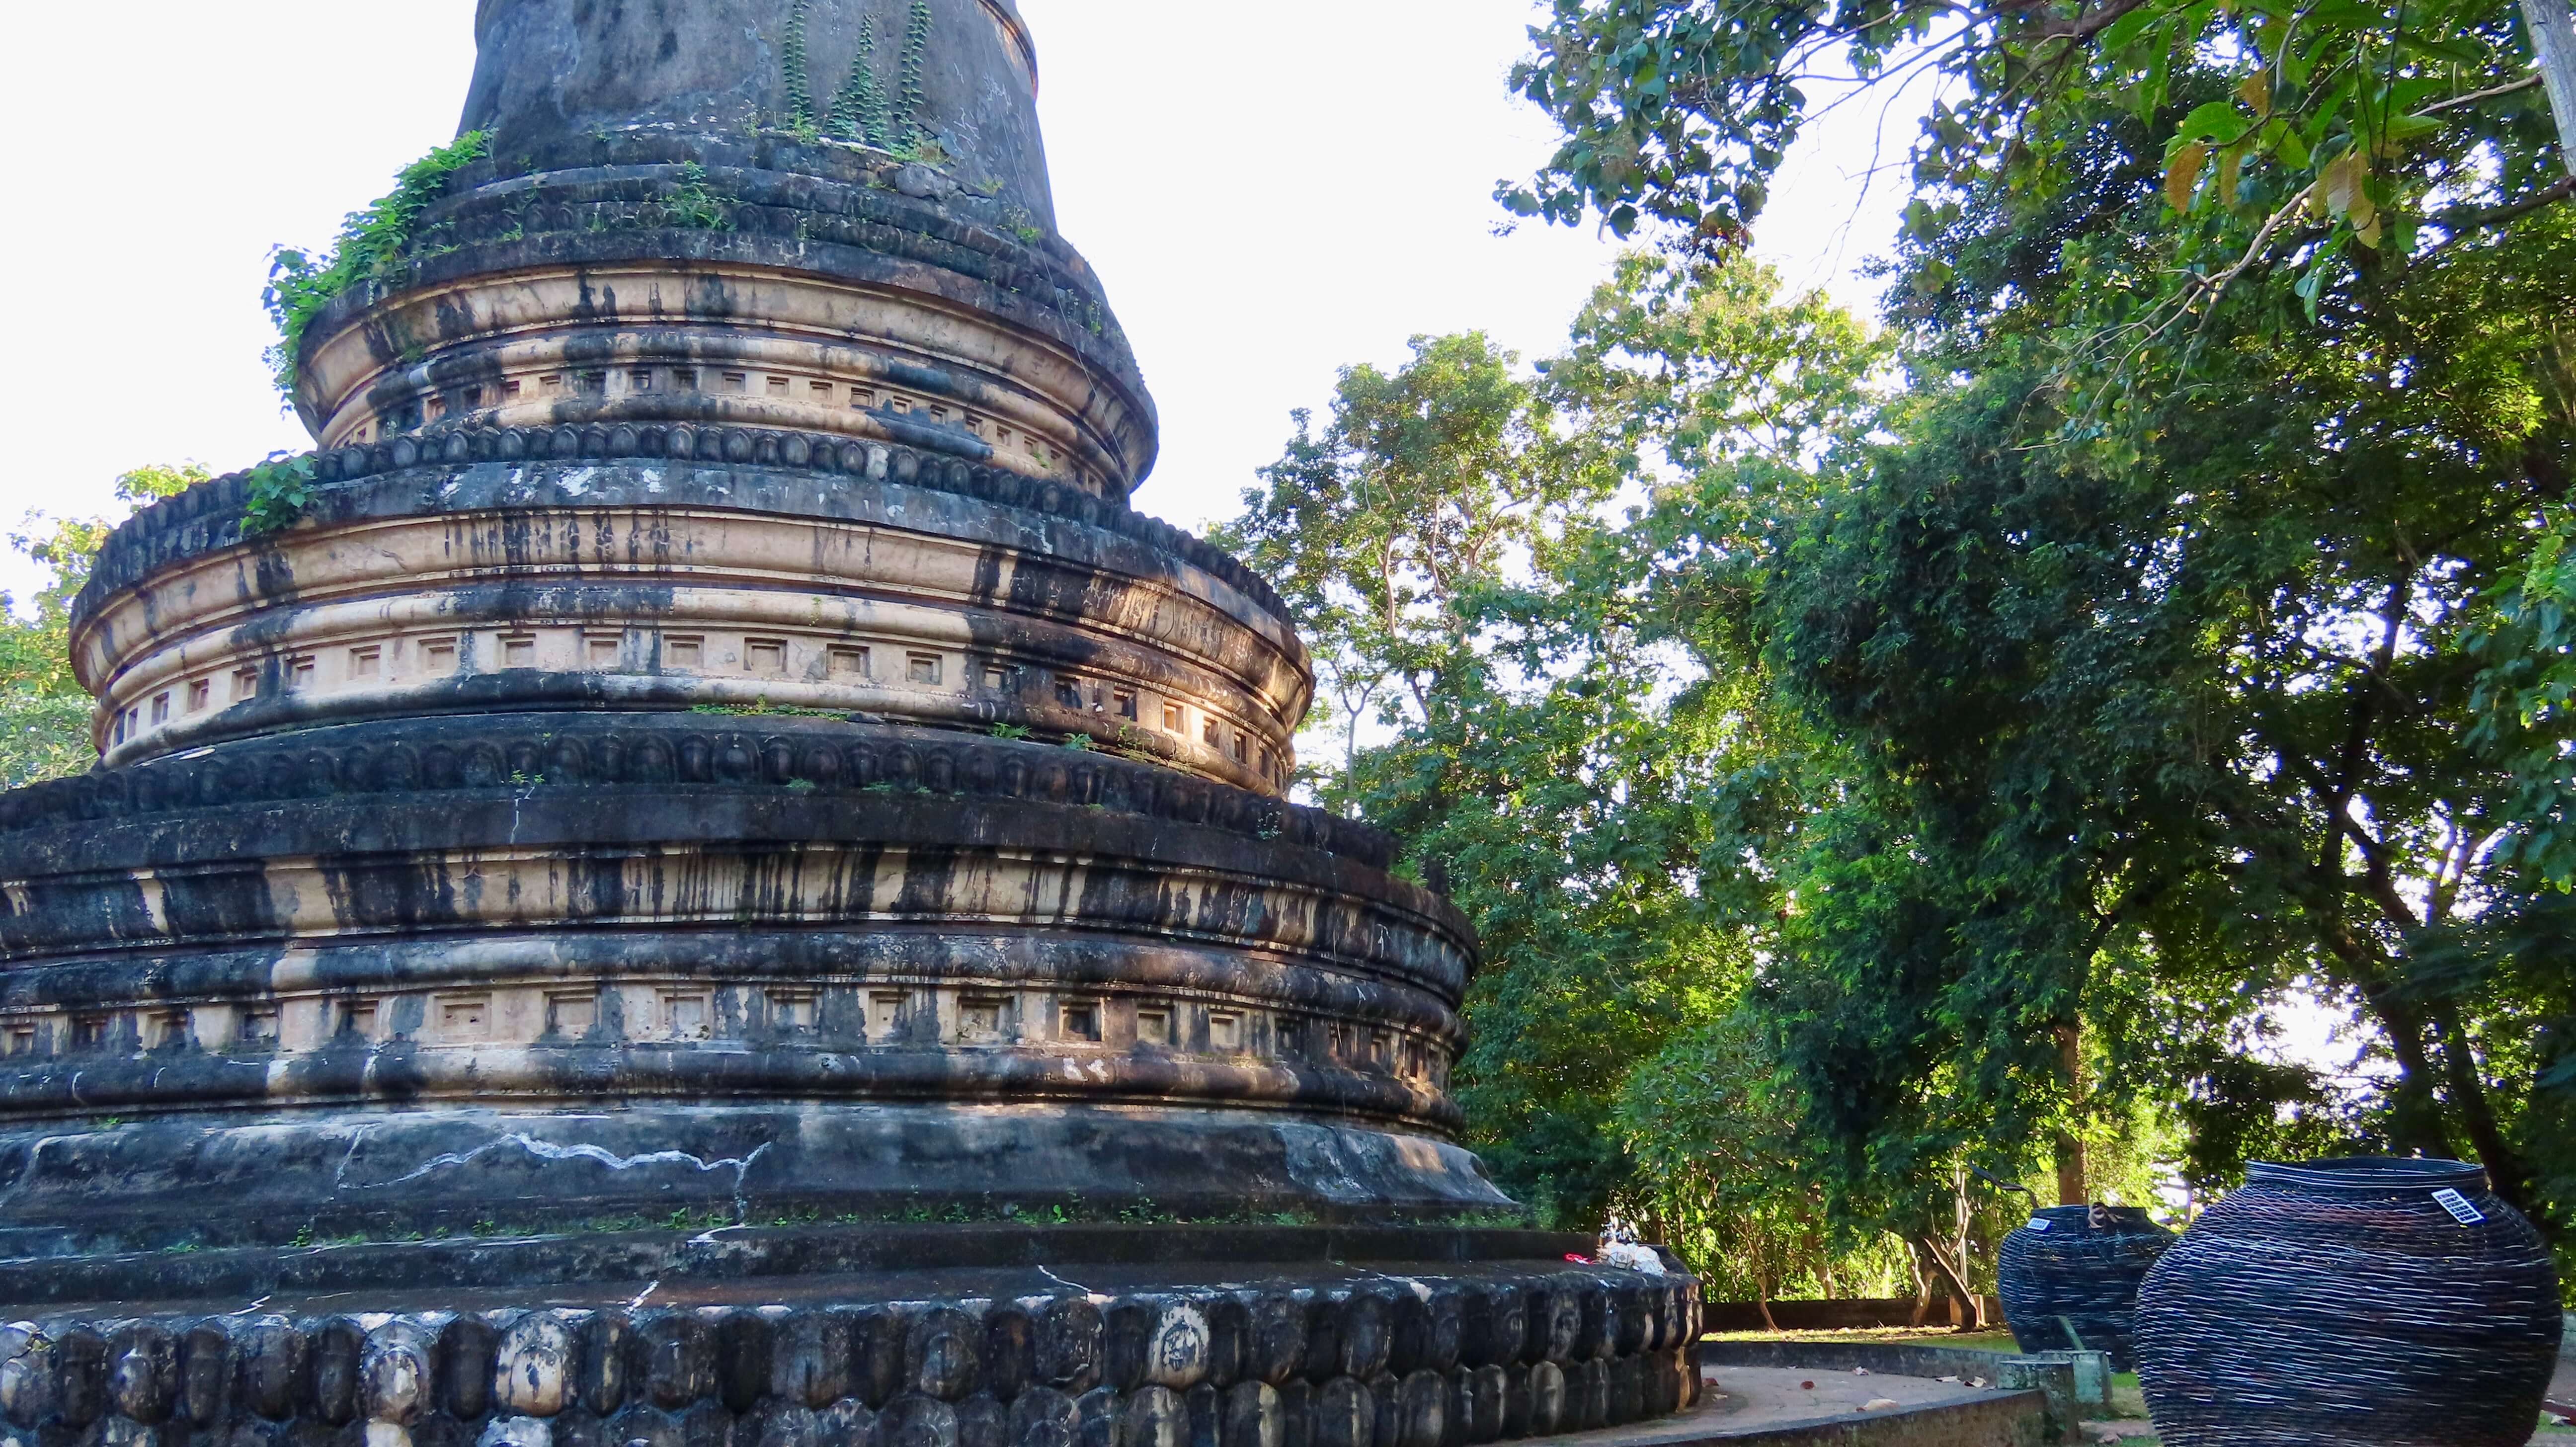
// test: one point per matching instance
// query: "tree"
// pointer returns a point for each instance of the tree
(2192, 634)
(2294, 142)
(1449, 536)
(44, 714)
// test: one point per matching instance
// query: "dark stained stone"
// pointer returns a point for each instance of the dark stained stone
(1204, 1403)
(1229, 1324)
(1297, 1413)
(809, 1360)
(1277, 1344)
(878, 1337)
(1592, 1376)
(1156, 1417)
(1069, 1345)
(1127, 1337)
(206, 1373)
(744, 1341)
(1043, 1417)
(1345, 1414)
(1547, 1399)
(676, 1357)
(466, 1349)
(143, 1373)
(982, 1421)
(272, 1369)
(1102, 1418)
(846, 1423)
(337, 1384)
(605, 1357)
(1010, 1352)
(1367, 1323)
(1251, 1416)
(943, 1354)
(783, 1424)
(915, 1420)
(648, 1425)
(1487, 1401)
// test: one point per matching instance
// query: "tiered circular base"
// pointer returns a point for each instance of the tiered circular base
(1240, 1339)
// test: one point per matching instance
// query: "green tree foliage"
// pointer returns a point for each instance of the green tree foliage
(2195, 630)
(1453, 542)
(44, 714)
(2314, 125)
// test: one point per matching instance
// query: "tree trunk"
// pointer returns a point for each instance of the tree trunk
(1965, 1308)
(1922, 1284)
(2553, 44)
(2070, 1147)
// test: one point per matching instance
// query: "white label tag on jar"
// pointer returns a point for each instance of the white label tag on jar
(2459, 1207)
(2037, 1224)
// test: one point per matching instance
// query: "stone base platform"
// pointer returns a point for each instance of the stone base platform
(1804, 1407)
(988, 1336)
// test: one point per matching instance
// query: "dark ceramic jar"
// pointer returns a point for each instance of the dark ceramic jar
(2069, 1279)
(2351, 1302)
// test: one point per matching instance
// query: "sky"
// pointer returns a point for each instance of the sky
(1270, 193)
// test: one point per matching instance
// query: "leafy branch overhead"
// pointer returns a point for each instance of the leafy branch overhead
(2290, 130)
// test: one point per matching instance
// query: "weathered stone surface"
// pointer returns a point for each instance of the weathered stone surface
(1010, 1352)
(1277, 1343)
(1345, 1414)
(533, 1366)
(677, 1356)
(943, 1355)
(914, 1420)
(1547, 1399)
(1101, 1418)
(1155, 1417)
(1252, 1416)
(982, 1421)
(549, 74)
(143, 1374)
(1043, 1417)
(1069, 1345)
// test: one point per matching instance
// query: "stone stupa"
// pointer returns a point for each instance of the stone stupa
(717, 885)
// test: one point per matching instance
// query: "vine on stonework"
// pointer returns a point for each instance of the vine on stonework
(372, 244)
(800, 83)
(916, 47)
(862, 112)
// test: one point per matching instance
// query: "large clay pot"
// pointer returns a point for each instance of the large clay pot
(2069, 1279)
(2351, 1303)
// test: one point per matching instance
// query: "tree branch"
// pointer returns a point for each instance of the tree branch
(2549, 195)
(2474, 97)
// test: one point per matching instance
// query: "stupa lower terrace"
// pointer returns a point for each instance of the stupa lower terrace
(716, 747)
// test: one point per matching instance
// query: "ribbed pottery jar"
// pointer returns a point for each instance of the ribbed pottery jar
(2362, 1302)
(2069, 1279)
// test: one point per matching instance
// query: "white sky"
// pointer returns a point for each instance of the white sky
(1270, 193)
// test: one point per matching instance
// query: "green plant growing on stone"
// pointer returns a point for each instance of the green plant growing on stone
(916, 48)
(861, 112)
(372, 243)
(277, 492)
(1010, 731)
(800, 84)
(1079, 743)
